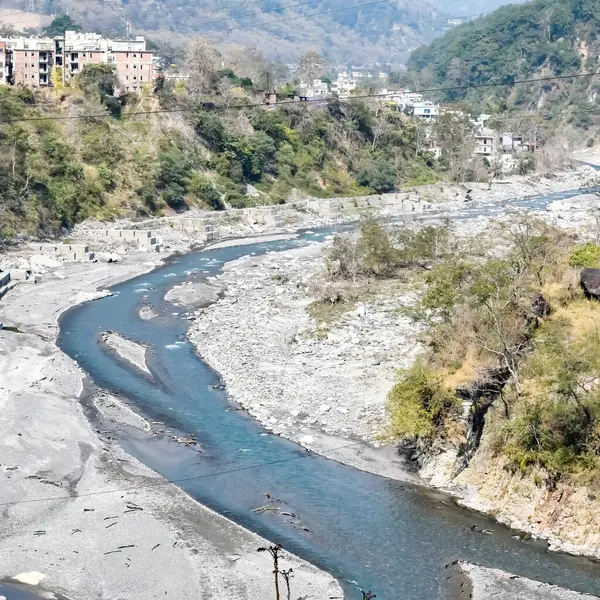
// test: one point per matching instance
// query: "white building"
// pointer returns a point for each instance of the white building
(486, 142)
(403, 98)
(427, 111)
(316, 89)
(343, 85)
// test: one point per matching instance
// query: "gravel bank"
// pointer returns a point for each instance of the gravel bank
(488, 584)
(130, 351)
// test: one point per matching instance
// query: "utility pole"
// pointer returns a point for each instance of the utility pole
(128, 28)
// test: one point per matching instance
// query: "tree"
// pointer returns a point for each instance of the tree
(379, 175)
(312, 66)
(454, 134)
(202, 62)
(98, 79)
(61, 24)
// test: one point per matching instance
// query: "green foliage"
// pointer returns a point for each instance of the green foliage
(172, 178)
(585, 255)
(61, 24)
(100, 81)
(516, 41)
(558, 430)
(379, 175)
(419, 402)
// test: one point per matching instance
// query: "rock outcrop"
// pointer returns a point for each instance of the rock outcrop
(589, 280)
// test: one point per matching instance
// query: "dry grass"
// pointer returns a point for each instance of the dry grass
(324, 311)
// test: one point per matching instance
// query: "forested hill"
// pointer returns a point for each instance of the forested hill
(542, 37)
(384, 31)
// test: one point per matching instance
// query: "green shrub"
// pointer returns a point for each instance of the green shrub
(419, 402)
(586, 255)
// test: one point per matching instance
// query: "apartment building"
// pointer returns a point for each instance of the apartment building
(3, 64)
(32, 61)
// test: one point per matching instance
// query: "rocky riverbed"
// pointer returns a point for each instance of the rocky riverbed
(304, 380)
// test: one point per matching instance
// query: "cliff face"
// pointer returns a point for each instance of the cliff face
(565, 515)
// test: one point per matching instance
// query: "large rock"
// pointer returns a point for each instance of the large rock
(589, 279)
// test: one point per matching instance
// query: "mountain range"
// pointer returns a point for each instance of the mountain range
(384, 31)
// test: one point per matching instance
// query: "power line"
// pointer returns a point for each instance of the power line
(313, 100)
(164, 482)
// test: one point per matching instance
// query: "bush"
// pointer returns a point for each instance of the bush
(379, 175)
(585, 255)
(419, 403)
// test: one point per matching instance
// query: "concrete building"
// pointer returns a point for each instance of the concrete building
(404, 99)
(343, 85)
(511, 142)
(39, 61)
(486, 142)
(4, 58)
(316, 89)
(427, 111)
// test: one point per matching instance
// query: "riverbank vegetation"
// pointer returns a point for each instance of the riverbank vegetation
(512, 344)
(79, 152)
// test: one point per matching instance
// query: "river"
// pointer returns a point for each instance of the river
(368, 531)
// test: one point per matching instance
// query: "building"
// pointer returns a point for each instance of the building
(511, 142)
(48, 61)
(404, 99)
(316, 89)
(486, 142)
(427, 111)
(3, 64)
(343, 85)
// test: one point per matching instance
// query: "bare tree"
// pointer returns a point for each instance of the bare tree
(287, 575)
(274, 552)
(202, 62)
(311, 66)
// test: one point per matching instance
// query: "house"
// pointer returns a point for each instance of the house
(402, 98)
(316, 89)
(427, 111)
(512, 142)
(343, 85)
(486, 142)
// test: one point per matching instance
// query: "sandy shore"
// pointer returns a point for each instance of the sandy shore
(101, 537)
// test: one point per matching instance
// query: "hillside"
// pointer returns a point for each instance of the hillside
(384, 32)
(471, 8)
(540, 38)
(80, 152)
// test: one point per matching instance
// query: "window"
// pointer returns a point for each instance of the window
(141, 78)
(127, 77)
(135, 66)
(135, 56)
(127, 66)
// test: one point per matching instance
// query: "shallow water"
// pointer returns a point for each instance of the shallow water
(368, 531)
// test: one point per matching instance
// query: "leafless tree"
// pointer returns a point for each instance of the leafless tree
(311, 66)
(274, 551)
(202, 62)
(287, 575)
